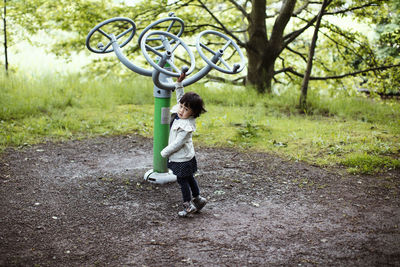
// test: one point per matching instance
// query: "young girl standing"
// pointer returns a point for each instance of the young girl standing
(180, 150)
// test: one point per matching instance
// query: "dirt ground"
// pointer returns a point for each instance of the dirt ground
(85, 203)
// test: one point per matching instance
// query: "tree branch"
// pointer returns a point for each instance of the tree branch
(238, 81)
(351, 9)
(240, 8)
(300, 9)
(297, 53)
(335, 77)
(282, 20)
(293, 35)
(238, 41)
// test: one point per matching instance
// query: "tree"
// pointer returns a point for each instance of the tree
(263, 52)
(5, 36)
(307, 73)
(20, 21)
(264, 33)
(273, 32)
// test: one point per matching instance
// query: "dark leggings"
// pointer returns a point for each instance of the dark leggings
(188, 185)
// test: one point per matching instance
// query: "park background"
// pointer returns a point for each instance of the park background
(53, 89)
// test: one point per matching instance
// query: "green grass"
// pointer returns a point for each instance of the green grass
(325, 141)
(359, 133)
(370, 164)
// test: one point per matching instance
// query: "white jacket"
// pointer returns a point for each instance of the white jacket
(180, 146)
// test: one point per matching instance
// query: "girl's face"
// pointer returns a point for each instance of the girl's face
(184, 112)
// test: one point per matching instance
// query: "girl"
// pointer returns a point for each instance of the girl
(180, 150)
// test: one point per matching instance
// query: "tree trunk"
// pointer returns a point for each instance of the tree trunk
(256, 44)
(260, 70)
(262, 53)
(307, 73)
(5, 36)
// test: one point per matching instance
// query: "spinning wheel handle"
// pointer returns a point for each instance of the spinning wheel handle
(167, 56)
(108, 48)
(185, 69)
(217, 55)
(236, 66)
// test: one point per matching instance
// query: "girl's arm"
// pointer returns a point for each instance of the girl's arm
(181, 138)
(179, 91)
(179, 87)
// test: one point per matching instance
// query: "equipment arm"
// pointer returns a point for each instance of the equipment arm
(126, 61)
(170, 86)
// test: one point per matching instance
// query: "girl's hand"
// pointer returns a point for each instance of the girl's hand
(182, 77)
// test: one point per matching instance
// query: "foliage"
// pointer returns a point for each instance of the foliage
(335, 132)
(339, 51)
(388, 29)
(20, 19)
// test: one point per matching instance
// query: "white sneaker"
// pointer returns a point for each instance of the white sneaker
(188, 208)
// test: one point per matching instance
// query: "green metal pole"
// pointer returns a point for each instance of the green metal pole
(161, 131)
(162, 98)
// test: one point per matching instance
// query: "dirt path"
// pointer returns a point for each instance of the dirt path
(84, 203)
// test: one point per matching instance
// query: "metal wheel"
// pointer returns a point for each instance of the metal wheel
(108, 47)
(167, 57)
(169, 28)
(235, 68)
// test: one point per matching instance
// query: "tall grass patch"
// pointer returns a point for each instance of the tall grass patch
(356, 108)
(54, 107)
(362, 134)
(25, 95)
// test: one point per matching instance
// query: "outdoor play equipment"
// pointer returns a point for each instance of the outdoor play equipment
(159, 49)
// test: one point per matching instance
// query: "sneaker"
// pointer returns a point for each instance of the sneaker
(188, 208)
(199, 202)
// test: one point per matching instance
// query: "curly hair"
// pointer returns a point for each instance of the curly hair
(194, 102)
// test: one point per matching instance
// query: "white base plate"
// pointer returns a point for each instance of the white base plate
(159, 178)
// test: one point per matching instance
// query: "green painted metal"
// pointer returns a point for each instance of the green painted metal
(161, 133)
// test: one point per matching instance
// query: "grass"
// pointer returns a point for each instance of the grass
(318, 140)
(359, 133)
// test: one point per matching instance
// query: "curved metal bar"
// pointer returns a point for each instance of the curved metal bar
(171, 86)
(104, 33)
(126, 61)
(125, 32)
(229, 70)
(168, 53)
(98, 28)
(173, 19)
